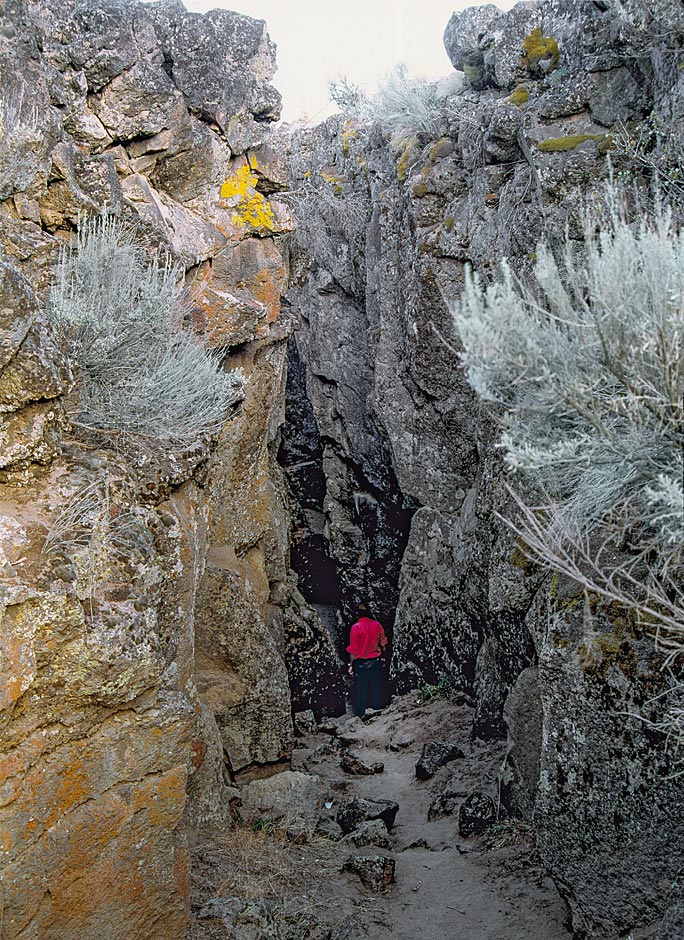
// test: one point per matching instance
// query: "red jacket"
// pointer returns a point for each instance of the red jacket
(367, 639)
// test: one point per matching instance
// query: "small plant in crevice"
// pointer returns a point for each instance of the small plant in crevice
(94, 529)
(140, 372)
(332, 217)
(443, 688)
(653, 148)
(511, 831)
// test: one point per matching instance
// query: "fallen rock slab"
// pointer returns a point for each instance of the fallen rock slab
(329, 829)
(304, 723)
(375, 871)
(346, 724)
(477, 812)
(352, 764)
(372, 832)
(445, 804)
(435, 755)
(292, 796)
(354, 811)
(401, 741)
(244, 919)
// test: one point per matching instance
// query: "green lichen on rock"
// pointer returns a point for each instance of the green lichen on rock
(519, 559)
(563, 144)
(473, 74)
(440, 149)
(536, 47)
(333, 180)
(406, 159)
(449, 223)
(349, 133)
(599, 653)
(520, 96)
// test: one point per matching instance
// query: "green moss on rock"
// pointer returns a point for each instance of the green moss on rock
(563, 144)
(473, 74)
(520, 96)
(536, 47)
(440, 149)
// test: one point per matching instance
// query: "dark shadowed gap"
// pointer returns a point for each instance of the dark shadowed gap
(382, 517)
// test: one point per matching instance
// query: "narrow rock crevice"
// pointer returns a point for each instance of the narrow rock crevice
(348, 536)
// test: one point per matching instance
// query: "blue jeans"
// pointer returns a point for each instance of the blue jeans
(368, 675)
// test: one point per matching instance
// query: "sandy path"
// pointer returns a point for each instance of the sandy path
(454, 888)
(489, 887)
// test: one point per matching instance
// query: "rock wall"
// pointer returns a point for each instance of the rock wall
(142, 639)
(537, 102)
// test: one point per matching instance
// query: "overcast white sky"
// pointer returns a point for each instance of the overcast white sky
(319, 40)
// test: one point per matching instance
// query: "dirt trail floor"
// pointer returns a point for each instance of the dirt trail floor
(486, 887)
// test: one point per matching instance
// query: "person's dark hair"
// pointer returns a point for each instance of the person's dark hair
(362, 609)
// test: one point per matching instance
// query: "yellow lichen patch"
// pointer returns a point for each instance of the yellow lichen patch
(520, 96)
(251, 208)
(537, 47)
(348, 134)
(333, 180)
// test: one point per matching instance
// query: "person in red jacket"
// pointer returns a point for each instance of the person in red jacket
(367, 642)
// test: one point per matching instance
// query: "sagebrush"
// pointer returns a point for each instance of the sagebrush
(405, 107)
(140, 370)
(587, 368)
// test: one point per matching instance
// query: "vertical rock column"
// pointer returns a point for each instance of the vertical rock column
(154, 115)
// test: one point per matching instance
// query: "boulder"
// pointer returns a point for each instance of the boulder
(228, 83)
(400, 741)
(672, 927)
(465, 41)
(290, 796)
(354, 811)
(445, 804)
(376, 872)
(352, 764)
(436, 754)
(245, 919)
(140, 103)
(304, 723)
(477, 812)
(372, 832)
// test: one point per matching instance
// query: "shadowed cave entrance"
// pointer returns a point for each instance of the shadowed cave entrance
(338, 563)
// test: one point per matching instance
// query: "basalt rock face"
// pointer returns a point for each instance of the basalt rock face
(142, 638)
(386, 232)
